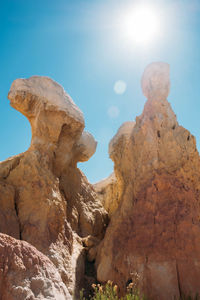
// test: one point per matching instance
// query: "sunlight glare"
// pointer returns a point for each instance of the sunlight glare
(141, 24)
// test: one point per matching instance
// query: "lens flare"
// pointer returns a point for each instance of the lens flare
(120, 87)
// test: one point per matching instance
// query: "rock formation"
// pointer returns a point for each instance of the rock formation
(107, 192)
(152, 198)
(155, 231)
(44, 198)
(26, 273)
(109, 189)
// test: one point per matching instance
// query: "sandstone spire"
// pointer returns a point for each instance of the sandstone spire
(45, 199)
(155, 232)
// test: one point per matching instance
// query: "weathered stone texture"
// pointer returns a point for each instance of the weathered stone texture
(155, 232)
(45, 199)
(25, 273)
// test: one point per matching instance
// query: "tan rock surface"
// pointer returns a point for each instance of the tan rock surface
(85, 147)
(155, 232)
(26, 273)
(8, 215)
(51, 203)
(107, 191)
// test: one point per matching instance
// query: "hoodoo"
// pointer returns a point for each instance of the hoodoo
(155, 231)
(53, 221)
(45, 199)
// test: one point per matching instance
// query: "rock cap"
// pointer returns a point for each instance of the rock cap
(155, 81)
(48, 92)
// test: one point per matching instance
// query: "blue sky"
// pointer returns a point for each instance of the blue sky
(80, 45)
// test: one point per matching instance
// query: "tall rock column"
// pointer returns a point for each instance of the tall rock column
(44, 196)
(154, 234)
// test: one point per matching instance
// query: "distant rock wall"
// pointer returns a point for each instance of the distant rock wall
(155, 231)
(107, 191)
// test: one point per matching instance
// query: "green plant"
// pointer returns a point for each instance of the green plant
(110, 292)
(82, 295)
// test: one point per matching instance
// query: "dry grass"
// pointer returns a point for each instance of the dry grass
(110, 292)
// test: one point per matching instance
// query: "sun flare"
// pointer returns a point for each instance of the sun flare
(141, 24)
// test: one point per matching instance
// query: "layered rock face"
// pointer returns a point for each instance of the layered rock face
(155, 231)
(45, 199)
(26, 273)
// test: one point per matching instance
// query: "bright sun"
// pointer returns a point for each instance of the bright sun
(141, 24)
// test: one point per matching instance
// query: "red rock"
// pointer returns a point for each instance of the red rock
(25, 273)
(155, 232)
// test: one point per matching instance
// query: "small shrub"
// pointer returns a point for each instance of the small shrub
(110, 292)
